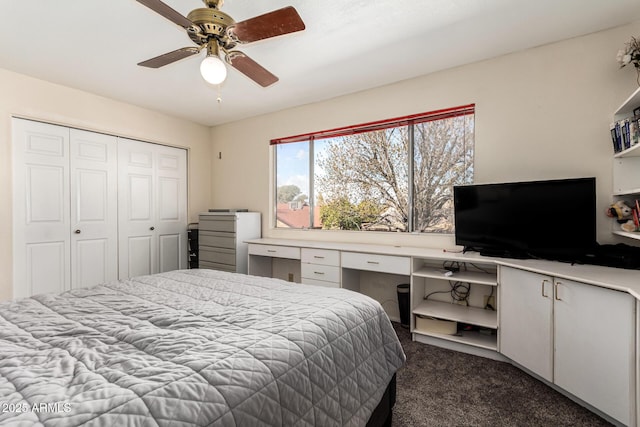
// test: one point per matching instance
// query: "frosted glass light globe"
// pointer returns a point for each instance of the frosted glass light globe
(213, 70)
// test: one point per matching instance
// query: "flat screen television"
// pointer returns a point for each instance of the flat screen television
(552, 219)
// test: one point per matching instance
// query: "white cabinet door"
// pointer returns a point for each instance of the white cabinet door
(526, 315)
(594, 346)
(94, 210)
(152, 208)
(40, 208)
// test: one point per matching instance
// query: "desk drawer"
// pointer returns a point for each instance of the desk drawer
(217, 239)
(223, 223)
(327, 273)
(381, 263)
(320, 256)
(306, 281)
(275, 251)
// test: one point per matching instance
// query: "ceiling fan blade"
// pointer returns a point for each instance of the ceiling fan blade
(251, 68)
(166, 11)
(168, 58)
(272, 24)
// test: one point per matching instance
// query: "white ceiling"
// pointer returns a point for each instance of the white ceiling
(348, 46)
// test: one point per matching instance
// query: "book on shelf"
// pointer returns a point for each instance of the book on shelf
(634, 132)
(625, 133)
(615, 137)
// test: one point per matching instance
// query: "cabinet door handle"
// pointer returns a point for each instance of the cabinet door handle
(557, 285)
(77, 232)
(318, 257)
(544, 282)
(152, 228)
(318, 272)
(373, 262)
(271, 251)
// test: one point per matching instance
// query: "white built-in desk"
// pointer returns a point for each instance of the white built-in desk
(575, 327)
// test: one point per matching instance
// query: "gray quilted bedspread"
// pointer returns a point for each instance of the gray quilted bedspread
(195, 347)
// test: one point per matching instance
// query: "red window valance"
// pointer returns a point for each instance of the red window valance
(380, 125)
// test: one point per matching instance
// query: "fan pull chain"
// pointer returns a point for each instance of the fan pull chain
(219, 98)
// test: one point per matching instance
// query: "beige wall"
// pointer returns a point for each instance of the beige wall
(541, 113)
(36, 99)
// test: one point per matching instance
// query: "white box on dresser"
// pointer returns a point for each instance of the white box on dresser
(222, 239)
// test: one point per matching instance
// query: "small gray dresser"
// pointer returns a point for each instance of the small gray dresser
(222, 237)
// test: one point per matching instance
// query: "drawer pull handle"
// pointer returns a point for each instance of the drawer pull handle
(318, 272)
(271, 250)
(318, 257)
(373, 262)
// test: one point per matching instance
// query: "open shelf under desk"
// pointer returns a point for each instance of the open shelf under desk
(478, 277)
(475, 338)
(459, 313)
(631, 235)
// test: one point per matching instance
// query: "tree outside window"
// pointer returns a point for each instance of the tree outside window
(398, 177)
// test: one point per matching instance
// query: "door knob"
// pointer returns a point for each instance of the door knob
(77, 231)
(152, 228)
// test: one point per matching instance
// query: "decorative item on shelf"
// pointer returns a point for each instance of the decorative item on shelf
(436, 326)
(631, 55)
(626, 216)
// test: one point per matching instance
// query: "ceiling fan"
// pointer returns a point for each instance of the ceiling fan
(217, 32)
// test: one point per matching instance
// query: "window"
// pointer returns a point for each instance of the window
(392, 175)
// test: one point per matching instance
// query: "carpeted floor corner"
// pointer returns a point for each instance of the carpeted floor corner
(440, 387)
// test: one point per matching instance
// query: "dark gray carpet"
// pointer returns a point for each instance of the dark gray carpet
(439, 387)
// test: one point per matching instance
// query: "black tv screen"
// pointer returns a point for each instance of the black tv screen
(552, 219)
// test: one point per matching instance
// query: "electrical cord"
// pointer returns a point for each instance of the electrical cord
(461, 291)
(453, 265)
(477, 267)
(488, 306)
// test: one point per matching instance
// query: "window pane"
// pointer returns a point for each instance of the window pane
(443, 157)
(292, 185)
(361, 181)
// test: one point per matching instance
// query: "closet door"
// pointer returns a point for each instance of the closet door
(171, 208)
(41, 239)
(152, 208)
(94, 209)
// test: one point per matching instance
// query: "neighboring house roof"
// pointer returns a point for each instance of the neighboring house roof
(288, 215)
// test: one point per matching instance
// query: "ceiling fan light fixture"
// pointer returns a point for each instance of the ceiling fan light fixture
(213, 70)
(220, 33)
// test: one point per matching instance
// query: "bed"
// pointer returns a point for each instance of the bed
(195, 348)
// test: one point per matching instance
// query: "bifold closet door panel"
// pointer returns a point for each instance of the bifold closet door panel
(94, 208)
(152, 205)
(137, 238)
(89, 208)
(171, 208)
(41, 202)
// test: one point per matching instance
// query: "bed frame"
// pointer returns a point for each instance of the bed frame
(383, 413)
